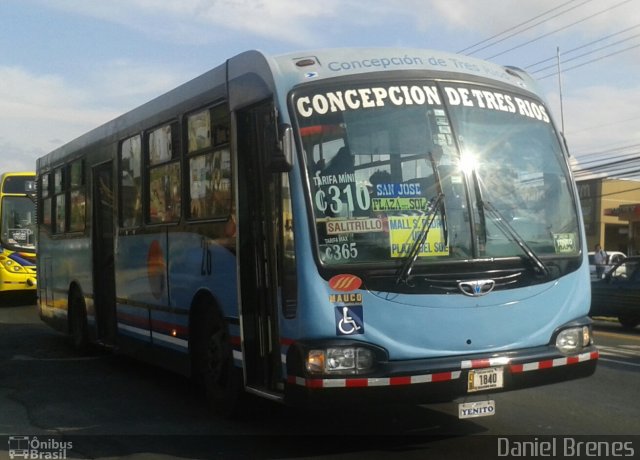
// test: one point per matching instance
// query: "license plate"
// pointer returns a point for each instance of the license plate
(485, 379)
(476, 409)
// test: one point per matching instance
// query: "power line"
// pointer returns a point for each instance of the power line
(519, 25)
(610, 164)
(603, 158)
(619, 162)
(618, 166)
(601, 161)
(618, 171)
(602, 125)
(615, 193)
(587, 53)
(609, 151)
(621, 191)
(629, 175)
(591, 61)
(560, 29)
(553, 58)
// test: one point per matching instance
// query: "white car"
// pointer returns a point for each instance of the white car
(613, 257)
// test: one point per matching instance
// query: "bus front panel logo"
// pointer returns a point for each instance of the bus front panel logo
(345, 283)
(156, 269)
(476, 288)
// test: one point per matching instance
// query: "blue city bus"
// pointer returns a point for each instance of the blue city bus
(342, 225)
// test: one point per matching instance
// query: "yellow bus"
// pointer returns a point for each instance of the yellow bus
(17, 235)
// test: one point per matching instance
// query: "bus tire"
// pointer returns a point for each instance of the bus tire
(213, 368)
(78, 329)
(629, 321)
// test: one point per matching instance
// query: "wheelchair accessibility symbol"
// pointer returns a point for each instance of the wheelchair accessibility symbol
(349, 320)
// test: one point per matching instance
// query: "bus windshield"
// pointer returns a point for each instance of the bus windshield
(18, 223)
(433, 171)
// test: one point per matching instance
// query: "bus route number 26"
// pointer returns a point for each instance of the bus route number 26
(343, 251)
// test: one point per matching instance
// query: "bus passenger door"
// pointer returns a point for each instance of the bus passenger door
(103, 254)
(257, 233)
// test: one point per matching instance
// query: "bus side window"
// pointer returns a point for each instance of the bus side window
(209, 164)
(77, 197)
(60, 201)
(46, 201)
(165, 198)
(131, 182)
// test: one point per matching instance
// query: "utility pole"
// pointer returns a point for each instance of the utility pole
(560, 88)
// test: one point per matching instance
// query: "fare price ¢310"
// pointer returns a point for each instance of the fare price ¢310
(356, 197)
(335, 199)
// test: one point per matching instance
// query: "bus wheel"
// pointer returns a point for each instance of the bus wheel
(78, 330)
(629, 321)
(213, 366)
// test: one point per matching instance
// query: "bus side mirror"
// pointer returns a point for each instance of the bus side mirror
(282, 154)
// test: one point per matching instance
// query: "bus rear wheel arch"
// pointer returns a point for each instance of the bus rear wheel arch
(630, 320)
(212, 358)
(77, 319)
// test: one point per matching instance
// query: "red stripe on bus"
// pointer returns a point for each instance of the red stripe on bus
(441, 377)
(354, 383)
(313, 383)
(479, 363)
(404, 380)
(165, 326)
(438, 377)
(133, 320)
(545, 364)
(516, 368)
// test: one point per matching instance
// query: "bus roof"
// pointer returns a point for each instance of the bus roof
(17, 182)
(278, 74)
(329, 63)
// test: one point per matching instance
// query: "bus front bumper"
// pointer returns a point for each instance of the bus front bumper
(440, 379)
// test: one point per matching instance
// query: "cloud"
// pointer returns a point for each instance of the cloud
(495, 16)
(33, 110)
(602, 117)
(296, 21)
(39, 113)
(42, 111)
(20, 87)
(201, 21)
(124, 83)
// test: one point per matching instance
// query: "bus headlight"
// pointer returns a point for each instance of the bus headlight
(573, 339)
(340, 360)
(11, 266)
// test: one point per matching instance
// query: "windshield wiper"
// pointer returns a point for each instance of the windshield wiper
(506, 228)
(430, 215)
(443, 215)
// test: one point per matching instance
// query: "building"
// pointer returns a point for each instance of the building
(611, 211)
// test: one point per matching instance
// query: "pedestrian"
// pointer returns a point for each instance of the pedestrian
(600, 259)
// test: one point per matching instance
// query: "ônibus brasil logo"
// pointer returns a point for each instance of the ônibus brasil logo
(31, 447)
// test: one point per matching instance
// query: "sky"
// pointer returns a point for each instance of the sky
(67, 66)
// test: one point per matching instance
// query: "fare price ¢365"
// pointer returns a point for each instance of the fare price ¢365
(344, 251)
